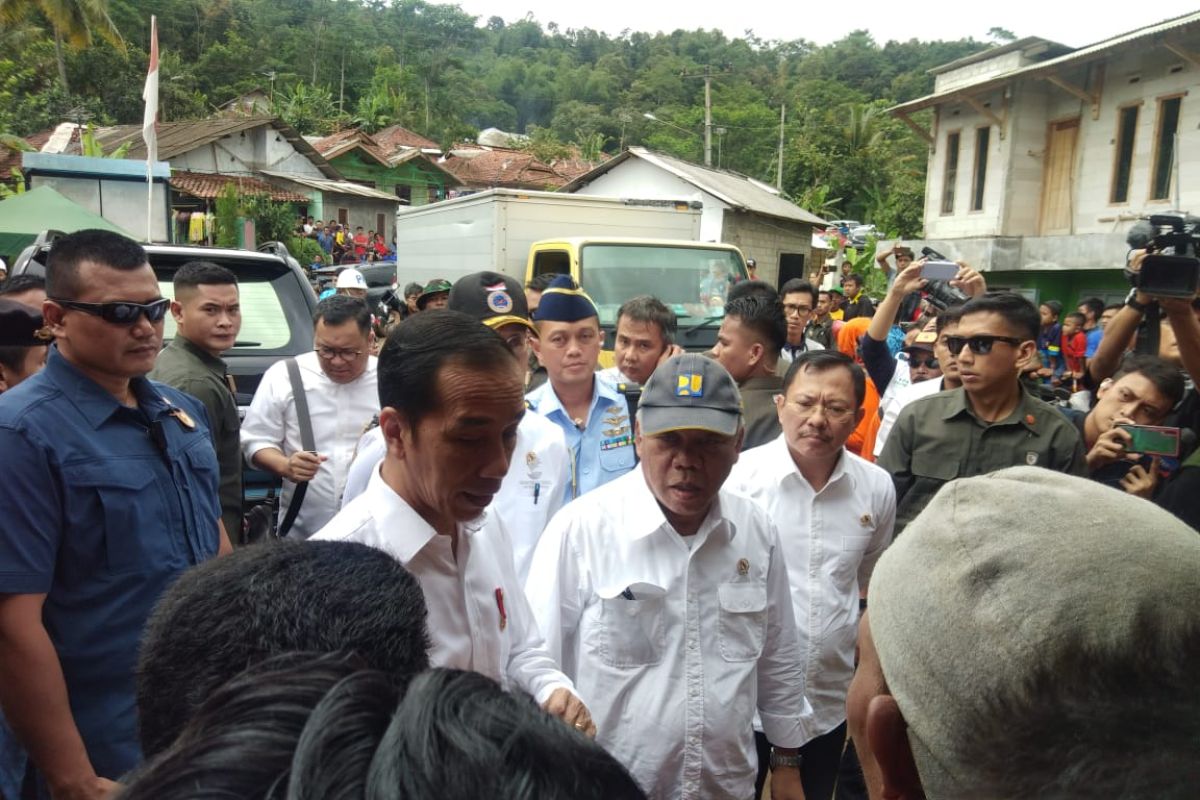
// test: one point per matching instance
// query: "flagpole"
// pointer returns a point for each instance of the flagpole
(149, 125)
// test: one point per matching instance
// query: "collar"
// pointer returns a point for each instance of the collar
(548, 402)
(405, 530)
(783, 467)
(644, 517)
(759, 382)
(213, 363)
(1025, 412)
(92, 400)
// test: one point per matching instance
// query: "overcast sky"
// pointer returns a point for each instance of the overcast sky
(1069, 23)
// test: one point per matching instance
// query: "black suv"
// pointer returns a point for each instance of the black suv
(277, 301)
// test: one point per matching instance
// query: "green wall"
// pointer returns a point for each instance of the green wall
(414, 174)
(1066, 286)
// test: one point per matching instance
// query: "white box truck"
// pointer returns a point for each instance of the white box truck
(493, 230)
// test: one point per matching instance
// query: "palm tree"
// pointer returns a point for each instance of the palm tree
(74, 22)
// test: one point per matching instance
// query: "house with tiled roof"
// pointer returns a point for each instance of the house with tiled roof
(394, 139)
(408, 174)
(479, 168)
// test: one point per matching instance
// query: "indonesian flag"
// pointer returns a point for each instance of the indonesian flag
(150, 96)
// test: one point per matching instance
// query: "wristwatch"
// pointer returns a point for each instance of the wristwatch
(1132, 302)
(777, 760)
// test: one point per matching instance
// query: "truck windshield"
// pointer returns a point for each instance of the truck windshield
(692, 281)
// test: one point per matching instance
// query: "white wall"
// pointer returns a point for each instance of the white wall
(122, 203)
(635, 178)
(246, 152)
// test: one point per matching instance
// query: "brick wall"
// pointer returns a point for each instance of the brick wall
(765, 238)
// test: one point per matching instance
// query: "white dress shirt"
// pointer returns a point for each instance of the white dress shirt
(831, 540)
(893, 406)
(339, 412)
(479, 618)
(675, 641)
(530, 494)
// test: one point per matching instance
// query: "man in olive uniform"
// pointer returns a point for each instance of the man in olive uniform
(208, 317)
(988, 424)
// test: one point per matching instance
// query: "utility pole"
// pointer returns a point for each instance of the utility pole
(707, 117)
(779, 166)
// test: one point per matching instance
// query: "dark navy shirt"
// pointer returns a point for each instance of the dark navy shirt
(101, 508)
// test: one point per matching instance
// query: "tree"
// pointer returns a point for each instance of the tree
(74, 22)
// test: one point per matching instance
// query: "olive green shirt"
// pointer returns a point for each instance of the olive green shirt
(938, 438)
(758, 409)
(190, 369)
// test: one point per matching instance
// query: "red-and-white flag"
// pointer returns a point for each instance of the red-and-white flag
(150, 96)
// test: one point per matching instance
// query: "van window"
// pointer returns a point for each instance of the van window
(692, 281)
(264, 325)
(548, 261)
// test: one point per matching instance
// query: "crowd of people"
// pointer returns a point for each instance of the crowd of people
(857, 550)
(340, 245)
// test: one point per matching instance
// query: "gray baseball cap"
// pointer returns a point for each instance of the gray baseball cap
(690, 392)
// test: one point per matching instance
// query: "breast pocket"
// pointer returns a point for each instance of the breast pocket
(116, 495)
(743, 621)
(616, 454)
(633, 632)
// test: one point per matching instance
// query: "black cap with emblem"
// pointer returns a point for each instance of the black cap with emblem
(21, 326)
(495, 300)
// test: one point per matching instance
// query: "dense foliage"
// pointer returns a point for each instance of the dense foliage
(435, 69)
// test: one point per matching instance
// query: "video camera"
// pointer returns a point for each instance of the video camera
(940, 293)
(1171, 269)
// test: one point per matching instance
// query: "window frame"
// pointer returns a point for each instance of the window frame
(979, 182)
(1156, 152)
(1136, 107)
(949, 180)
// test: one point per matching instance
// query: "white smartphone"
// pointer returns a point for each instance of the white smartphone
(939, 270)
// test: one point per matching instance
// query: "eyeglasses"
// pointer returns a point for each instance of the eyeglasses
(931, 363)
(791, 308)
(333, 354)
(120, 313)
(980, 345)
(837, 413)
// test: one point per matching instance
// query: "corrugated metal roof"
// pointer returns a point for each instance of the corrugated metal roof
(175, 138)
(207, 185)
(335, 187)
(1076, 57)
(737, 191)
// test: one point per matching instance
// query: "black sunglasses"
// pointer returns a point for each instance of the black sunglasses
(931, 363)
(980, 345)
(120, 313)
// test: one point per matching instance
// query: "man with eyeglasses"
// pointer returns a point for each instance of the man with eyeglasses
(834, 511)
(108, 484)
(593, 415)
(339, 383)
(799, 299)
(987, 424)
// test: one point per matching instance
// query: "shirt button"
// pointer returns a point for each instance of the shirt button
(587, 470)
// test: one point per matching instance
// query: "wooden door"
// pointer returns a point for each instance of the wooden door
(1058, 177)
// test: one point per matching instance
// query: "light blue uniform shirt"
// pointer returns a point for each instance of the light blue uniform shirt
(603, 450)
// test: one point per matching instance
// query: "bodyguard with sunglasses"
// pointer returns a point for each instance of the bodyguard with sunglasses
(987, 424)
(108, 491)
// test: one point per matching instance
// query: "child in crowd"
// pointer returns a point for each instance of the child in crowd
(1050, 343)
(1074, 346)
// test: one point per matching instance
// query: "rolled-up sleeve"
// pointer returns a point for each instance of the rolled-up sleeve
(787, 716)
(32, 526)
(266, 421)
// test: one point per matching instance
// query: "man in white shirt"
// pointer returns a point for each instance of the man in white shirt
(835, 513)
(667, 599)
(645, 338)
(452, 397)
(340, 386)
(533, 488)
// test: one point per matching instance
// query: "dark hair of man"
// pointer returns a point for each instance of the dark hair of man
(1078, 316)
(540, 283)
(13, 356)
(799, 285)
(202, 273)
(412, 358)
(458, 736)
(413, 288)
(949, 315)
(747, 288)
(18, 284)
(338, 309)
(650, 310)
(94, 245)
(856, 277)
(259, 602)
(1114, 307)
(1164, 375)
(763, 316)
(1020, 314)
(243, 739)
(823, 360)
(1094, 305)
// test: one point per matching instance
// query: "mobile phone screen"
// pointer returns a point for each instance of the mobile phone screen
(1153, 441)
(939, 270)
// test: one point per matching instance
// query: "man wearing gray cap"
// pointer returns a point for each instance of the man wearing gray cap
(1050, 653)
(666, 600)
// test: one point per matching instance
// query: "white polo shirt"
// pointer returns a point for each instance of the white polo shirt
(338, 411)
(675, 641)
(530, 494)
(479, 618)
(831, 540)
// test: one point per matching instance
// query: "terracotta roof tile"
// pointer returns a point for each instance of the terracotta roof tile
(502, 168)
(341, 142)
(394, 138)
(11, 159)
(207, 185)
